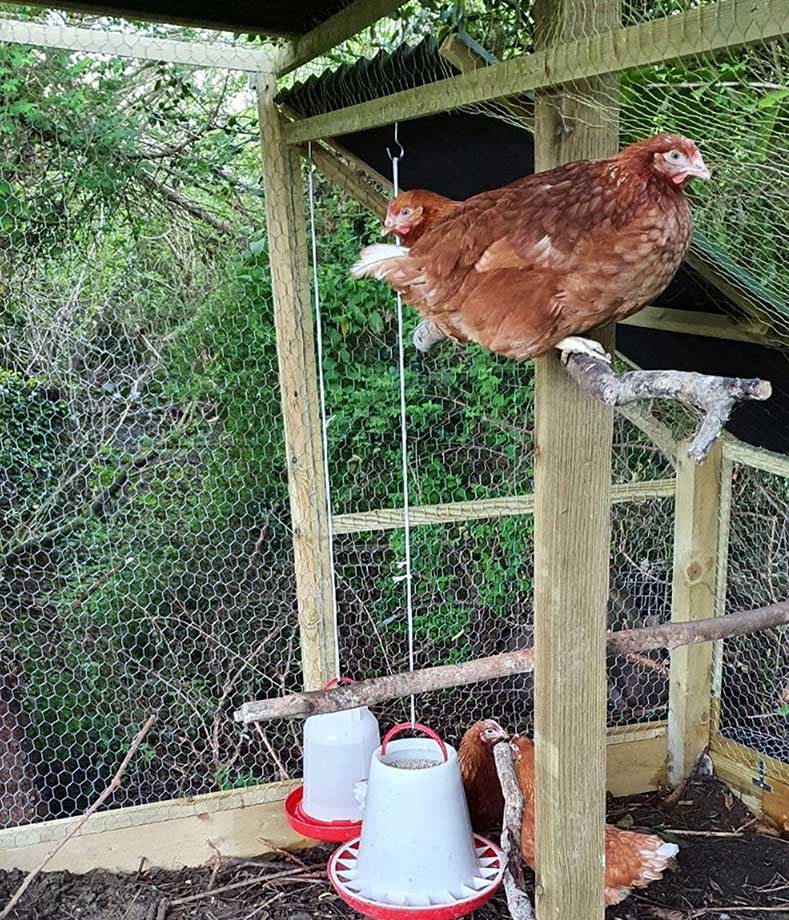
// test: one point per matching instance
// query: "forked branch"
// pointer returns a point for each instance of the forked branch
(715, 397)
(396, 686)
(517, 899)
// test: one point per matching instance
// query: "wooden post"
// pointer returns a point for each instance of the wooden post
(696, 527)
(298, 387)
(572, 537)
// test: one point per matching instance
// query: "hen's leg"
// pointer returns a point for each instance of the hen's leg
(575, 345)
(426, 335)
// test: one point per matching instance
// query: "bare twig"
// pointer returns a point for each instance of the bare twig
(290, 875)
(396, 686)
(715, 397)
(114, 784)
(517, 899)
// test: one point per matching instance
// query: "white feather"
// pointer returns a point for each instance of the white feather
(371, 256)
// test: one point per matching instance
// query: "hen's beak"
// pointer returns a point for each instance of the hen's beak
(387, 226)
(698, 168)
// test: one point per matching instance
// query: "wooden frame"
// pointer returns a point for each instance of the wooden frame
(298, 390)
(139, 47)
(343, 25)
(725, 24)
(509, 506)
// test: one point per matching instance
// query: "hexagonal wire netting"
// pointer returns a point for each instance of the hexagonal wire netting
(752, 672)
(146, 550)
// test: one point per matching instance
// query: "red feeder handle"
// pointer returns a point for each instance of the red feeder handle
(337, 680)
(418, 727)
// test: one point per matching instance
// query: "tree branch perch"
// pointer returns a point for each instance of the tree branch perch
(714, 396)
(396, 686)
(517, 900)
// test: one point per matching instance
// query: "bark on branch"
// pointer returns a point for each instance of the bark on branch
(517, 900)
(396, 686)
(715, 397)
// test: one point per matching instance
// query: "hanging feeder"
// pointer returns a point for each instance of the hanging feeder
(337, 751)
(416, 853)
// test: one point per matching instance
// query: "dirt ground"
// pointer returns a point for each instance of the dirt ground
(727, 869)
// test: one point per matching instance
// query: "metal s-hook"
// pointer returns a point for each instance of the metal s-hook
(401, 154)
(395, 158)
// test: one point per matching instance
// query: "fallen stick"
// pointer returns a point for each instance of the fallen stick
(517, 899)
(396, 686)
(114, 783)
(714, 396)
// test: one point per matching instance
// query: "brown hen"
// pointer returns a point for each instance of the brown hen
(522, 268)
(631, 860)
(480, 779)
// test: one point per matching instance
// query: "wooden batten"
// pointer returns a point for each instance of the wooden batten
(298, 390)
(761, 782)
(700, 30)
(696, 529)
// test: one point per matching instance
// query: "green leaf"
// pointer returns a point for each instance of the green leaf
(774, 97)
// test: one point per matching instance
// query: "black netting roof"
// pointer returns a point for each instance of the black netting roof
(272, 17)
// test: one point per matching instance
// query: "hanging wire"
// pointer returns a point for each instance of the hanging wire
(395, 158)
(322, 394)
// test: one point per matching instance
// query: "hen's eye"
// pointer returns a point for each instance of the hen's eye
(675, 156)
(405, 212)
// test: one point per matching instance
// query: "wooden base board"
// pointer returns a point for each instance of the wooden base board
(247, 822)
(168, 835)
(761, 782)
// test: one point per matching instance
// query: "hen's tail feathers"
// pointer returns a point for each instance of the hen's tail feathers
(655, 857)
(375, 261)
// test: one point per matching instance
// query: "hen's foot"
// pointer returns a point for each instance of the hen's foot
(426, 335)
(576, 345)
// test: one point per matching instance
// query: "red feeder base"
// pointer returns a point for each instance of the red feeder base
(489, 854)
(327, 831)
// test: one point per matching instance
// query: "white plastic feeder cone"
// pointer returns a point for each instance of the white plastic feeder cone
(416, 847)
(337, 751)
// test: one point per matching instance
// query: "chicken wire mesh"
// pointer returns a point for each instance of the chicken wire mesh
(752, 672)
(146, 544)
(144, 522)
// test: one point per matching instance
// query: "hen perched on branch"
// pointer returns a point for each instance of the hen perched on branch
(531, 266)
(520, 269)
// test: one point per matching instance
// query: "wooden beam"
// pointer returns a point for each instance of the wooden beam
(349, 180)
(692, 322)
(701, 264)
(298, 390)
(167, 835)
(136, 46)
(572, 531)
(466, 55)
(721, 586)
(757, 457)
(701, 30)
(696, 519)
(343, 25)
(509, 506)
